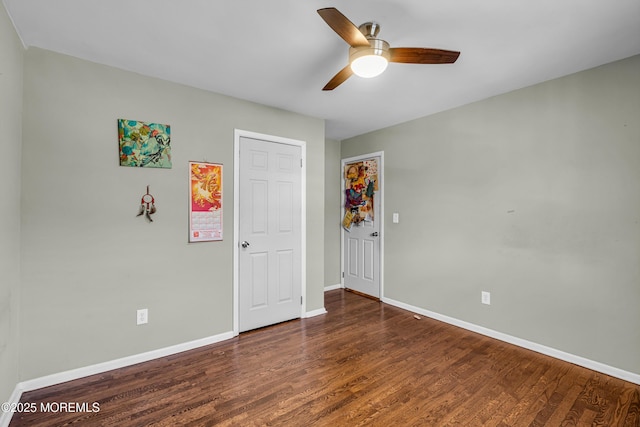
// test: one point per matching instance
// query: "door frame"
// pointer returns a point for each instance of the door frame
(237, 134)
(380, 215)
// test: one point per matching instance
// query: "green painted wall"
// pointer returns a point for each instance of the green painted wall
(332, 202)
(534, 196)
(11, 67)
(88, 262)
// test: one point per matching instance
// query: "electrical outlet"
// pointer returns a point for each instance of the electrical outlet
(486, 298)
(142, 316)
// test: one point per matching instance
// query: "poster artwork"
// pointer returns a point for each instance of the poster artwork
(205, 202)
(361, 183)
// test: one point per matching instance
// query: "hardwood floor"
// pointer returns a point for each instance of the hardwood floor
(363, 363)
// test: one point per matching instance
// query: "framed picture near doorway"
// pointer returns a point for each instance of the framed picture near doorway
(205, 202)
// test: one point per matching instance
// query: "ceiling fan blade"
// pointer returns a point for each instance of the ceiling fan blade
(421, 55)
(345, 28)
(339, 78)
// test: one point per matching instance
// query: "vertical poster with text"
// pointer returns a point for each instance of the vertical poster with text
(205, 202)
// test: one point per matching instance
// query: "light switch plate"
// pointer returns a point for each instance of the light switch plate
(396, 217)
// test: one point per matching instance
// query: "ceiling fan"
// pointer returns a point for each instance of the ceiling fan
(369, 56)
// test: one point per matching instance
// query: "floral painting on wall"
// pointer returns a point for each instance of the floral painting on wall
(145, 145)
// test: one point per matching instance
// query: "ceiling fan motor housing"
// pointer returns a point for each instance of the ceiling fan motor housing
(377, 47)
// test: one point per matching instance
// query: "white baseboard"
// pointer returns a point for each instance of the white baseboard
(314, 313)
(49, 380)
(5, 417)
(332, 287)
(539, 348)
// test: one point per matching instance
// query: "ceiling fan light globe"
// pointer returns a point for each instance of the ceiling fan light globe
(369, 61)
(369, 65)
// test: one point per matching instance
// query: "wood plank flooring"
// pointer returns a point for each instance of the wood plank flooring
(362, 364)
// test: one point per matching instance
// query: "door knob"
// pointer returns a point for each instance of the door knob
(374, 234)
(245, 244)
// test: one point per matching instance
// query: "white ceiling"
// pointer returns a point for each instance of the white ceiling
(281, 53)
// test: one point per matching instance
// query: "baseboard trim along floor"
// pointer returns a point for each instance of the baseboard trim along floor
(73, 374)
(539, 348)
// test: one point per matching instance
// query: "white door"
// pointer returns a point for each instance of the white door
(361, 239)
(269, 233)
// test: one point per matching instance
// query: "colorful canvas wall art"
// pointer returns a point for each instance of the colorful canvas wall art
(145, 145)
(361, 183)
(205, 202)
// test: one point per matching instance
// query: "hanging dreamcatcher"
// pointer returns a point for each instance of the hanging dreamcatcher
(147, 206)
